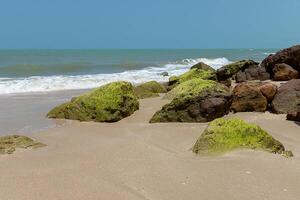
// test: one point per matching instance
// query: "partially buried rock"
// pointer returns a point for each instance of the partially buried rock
(8, 144)
(191, 74)
(229, 71)
(293, 116)
(203, 66)
(287, 98)
(109, 103)
(290, 56)
(284, 72)
(223, 135)
(149, 89)
(195, 100)
(248, 97)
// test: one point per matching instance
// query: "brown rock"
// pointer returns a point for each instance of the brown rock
(284, 72)
(293, 116)
(290, 56)
(253, 72)
(248, 97)
(268, 90)
(287, 98)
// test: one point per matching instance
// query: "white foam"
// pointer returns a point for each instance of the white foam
(56, 83)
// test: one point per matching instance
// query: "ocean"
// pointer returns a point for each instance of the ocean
(36, 71)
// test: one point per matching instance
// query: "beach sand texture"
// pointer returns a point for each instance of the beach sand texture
(133, 159)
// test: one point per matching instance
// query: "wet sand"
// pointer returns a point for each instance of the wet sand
(133, 159)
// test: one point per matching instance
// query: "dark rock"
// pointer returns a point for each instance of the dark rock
(248, 97)
(253, 72)
(293, 116)
(202, 65)
(196, 100)
(290, 56)
(284, 72)
(287, 98)
(269, 90)
(164, 74)
(229, 71)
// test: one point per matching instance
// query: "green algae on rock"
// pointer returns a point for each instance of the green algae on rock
(223, 135)
(8, 144)
(149, 89)
(109, 103)
(202, 65)
(195, 100)
(191, 74)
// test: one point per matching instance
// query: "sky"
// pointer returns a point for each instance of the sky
(140, 24)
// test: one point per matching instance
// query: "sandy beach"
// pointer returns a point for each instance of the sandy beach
(133, 159)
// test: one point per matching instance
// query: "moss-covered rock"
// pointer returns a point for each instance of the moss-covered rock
(195, 100)
(8, 144)
(109, 103)
(191, 74)
(202, 65)
(223, 135)
(149, 89)
(228, 71)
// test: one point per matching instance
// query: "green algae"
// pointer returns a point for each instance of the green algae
(149, 89)
(195, 86)
(223, 135)
(109, 103)
(8, 144)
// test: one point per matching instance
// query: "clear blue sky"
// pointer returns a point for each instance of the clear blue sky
(149, 23)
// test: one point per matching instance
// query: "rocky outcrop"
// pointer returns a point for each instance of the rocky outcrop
(191, 74)
(223, 135)
(248, 97)
(287, 98)
(149, 89)
(8, 144)
(109, 103)
(253, 72)
(229, 71)
(284, 72)
(203, 66)
(195, 100)
(290, 56)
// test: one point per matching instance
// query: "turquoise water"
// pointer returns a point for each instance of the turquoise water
(53, 70)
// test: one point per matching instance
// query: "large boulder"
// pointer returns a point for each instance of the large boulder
(223, 135)
(269, 90)
(8, 144)
(109, 103)
(284, 72)
(247, 97)
(149, 89)
(253, 72)
(230, 70)
(290, 56)
(287, 98)
(195, 100)
(191, 74)
(203, 66)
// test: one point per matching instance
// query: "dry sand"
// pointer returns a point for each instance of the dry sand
(132, 160)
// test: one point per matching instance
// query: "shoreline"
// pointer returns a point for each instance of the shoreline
(132, 159)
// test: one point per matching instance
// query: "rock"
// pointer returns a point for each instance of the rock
(195, 100)
(248, 97)
(223, 135)
(164, 74)
(203, 66)
(293, 116)
(228, 71)
(269, 90)
(149, 89)
(287, 98)
(290, 56)
(109, 103)
(253, 72)
(191, 74)
(284, 72)
(8, 144)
